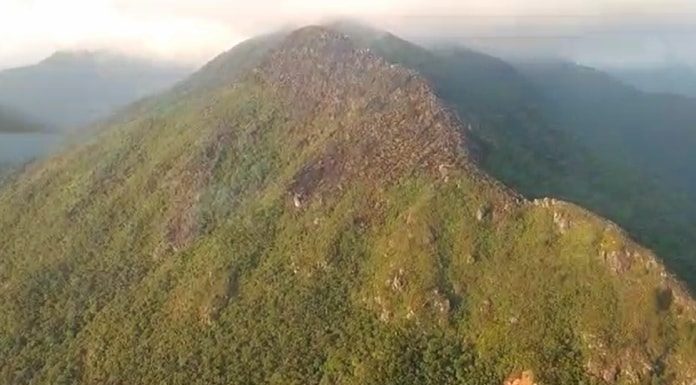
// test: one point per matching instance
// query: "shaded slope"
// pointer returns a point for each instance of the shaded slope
(656, 132)
(531, 134)
(650, 137)
(325, 200)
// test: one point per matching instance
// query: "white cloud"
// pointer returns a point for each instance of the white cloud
(195, 30)
(34, 29)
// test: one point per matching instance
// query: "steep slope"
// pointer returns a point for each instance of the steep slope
(521, 141)
(320, 220)
(232, 64)
(72, 89)
(516, 142)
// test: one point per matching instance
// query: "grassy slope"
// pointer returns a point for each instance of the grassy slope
(170, 250)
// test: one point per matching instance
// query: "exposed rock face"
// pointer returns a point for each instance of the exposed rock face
(524, 378)
(406, 128)
(619, 261)
(561, 222)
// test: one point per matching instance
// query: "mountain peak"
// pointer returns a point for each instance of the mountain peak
(79, 56)
(388, 120)
(317, 33)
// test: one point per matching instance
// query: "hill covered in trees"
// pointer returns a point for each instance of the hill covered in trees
(318, 218)
(571, 132)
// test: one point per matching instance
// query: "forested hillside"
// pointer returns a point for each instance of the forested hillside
(571, 133)
(319, 218)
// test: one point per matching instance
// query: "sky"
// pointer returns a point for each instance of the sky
(194, 31)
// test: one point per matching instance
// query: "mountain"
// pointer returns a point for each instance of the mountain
(523, 140)
(515, 139)
(72, 89)
(672, 79)
(319, 218)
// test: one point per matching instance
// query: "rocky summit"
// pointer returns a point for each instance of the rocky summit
(317, 218)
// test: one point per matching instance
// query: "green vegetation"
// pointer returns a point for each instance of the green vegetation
(643, 149)
(574, 134)
(321, 225)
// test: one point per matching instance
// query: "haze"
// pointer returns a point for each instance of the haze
(605, 32)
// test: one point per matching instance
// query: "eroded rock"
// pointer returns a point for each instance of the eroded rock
(524, 378)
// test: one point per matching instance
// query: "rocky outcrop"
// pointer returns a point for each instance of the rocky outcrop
(524, 378)
(390, 119)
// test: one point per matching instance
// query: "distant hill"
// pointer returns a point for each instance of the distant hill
(674, 79)
(72, 89)
(655, 132)
(13, 122)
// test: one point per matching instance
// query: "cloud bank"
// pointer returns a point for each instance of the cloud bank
(193, 31)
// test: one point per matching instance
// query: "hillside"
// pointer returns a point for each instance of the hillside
(522, 139)
(320, 219)
(649, 136)
(72, 89)
(525, 140)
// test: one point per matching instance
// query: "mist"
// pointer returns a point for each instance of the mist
(596, 32)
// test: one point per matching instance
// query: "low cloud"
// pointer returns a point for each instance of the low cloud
(192, 31)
